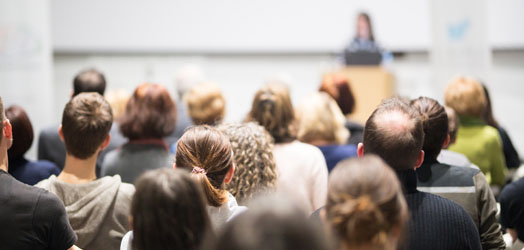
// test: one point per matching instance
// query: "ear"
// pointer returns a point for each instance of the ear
(446, 142)
(105, 143)
(60, 133)
(229, 175)
(360, 150)
(8, 133)
(420, 159)
(174, 165)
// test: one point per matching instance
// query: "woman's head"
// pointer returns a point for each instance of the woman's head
(168, 211)
(364, 28)
(488, 112)
(22, 131)
(206, 104)
(435, 123)
(255, 171)
(365, 205)
(337, 86)
(273, 110)
(207, 153)
(466, 96)
(320, 120)
(150, 113)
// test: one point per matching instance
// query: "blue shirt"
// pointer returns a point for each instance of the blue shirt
(335, 153)
(31, 172)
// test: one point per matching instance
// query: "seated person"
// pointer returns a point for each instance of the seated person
(28, 172)
(451, 157)
(321, 123)
(97, 208)
(512, 213)
(206, 104)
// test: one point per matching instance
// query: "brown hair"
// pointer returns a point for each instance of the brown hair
(337, 86)
(22, 131)
(394, 131)
(150, 113)
(466, 96)
(205, 148)
(435, 123)
(255, 171)
(453, 124)
(273, 110)
(89, 81)
(365, 202)
(206, 104)
(488, 112)
(86, 122)
(169, 211)
(368, 20)
(2, 119)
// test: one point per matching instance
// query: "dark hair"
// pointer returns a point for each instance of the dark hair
(86, 122)
(435, 123)
(89, 81)
(365, 202)
(337, 86)
(2, 119)
(453, 124)
(273, 110)
(22, 131)
(150, 113)
(368, 20)
(394, 132)
(488, 112)
(169, 211)
(204, 147)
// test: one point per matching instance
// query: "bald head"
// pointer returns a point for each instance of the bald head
(394, 132)
(89, 81)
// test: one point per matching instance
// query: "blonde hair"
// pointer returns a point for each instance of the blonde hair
(320, 118)
(255, 171)
(466, 96)
(118, 99)
(206, 104)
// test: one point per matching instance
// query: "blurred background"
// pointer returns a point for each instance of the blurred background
(240, 44)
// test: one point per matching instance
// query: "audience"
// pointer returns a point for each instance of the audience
(321, 123)
(51, 147)
(31, 218)
(480, 142)
(168, 212)
(149, 117)
(512, 213)
(449, 157)
(206, 104)
(255, 169)
(394, 131)
(97, 208)
(208, 154)
(28, 172)
(365, 207)
(302, 170)
(466, 186)
(337, 86)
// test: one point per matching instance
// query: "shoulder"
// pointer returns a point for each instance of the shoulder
(46, 183)
(49, 205)
(490, 132)
(126, 190)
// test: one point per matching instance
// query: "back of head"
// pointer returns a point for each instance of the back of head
(255, 171)
(22, 131)
(206, 104)
(320, 119)
(150, 113)
(168, 211)
(394, 131)
(86, 121)
(435, 122)
(365, 205)
(208, 154)
(89, 81)
(453, 124)
(337, 86)
(273, 110)
(466, 96)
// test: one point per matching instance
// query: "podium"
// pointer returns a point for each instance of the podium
(370, 85)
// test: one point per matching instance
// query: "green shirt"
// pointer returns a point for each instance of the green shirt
(483, 147)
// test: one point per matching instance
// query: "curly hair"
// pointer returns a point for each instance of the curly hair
(255, 171)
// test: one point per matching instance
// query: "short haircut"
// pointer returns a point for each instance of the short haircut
(466, 96)
(169, 211)
(319, 118)
(272, 109)
(22, 131)
(86, 122)
(453, 124)
(255, 171)
(206, 104)
(394, 132)
(337, 86)
(150, 113)
(2, 119)
(208, 154)
(89, 81)
(365, 203)
(435, 122)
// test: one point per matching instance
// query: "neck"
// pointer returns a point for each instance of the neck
(78, 171)
(4, 165)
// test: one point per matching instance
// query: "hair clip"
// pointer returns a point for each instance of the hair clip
(198, 170)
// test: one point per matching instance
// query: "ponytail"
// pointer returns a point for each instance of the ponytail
(215, 197)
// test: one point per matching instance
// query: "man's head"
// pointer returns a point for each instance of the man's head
(435, 123)
(86, 122)
(89, 81)
(394, 132)
(6, 134)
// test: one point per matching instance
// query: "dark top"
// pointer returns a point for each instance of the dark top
(335, 153)
(436, 222)
(32, 218)
(512, 207)
(510, 153)
(31, 172)
(356, 132)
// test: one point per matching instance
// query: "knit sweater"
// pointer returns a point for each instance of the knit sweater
(436, 222)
